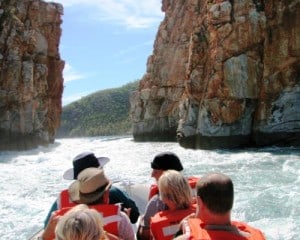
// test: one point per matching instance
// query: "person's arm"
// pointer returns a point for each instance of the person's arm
(153, 206)
(128, 205)
(126, 231)
(49, 231)
(143, 233)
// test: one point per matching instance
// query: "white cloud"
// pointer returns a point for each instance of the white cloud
(133, 48)
(70, 74)
(72, 98)
(131, 13)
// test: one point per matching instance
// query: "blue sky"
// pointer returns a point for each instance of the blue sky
(106, 43)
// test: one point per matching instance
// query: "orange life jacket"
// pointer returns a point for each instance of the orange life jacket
(110, 212)
(154, 188)
(165, 224)
(64, 200)
(195, 230)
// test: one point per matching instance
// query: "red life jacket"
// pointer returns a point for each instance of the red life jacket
(110, 212)
(195, 230)
(154, 188)
(165, 224)
(64, 200)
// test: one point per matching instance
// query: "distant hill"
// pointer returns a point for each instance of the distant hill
(102, 113)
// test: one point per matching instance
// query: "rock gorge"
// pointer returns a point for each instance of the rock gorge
(31, 81)
(223, 74)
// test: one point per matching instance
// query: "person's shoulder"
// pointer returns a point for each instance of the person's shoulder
(154, 198)
(155, 203)
(115, 190)
(124, 217)
(122, 214)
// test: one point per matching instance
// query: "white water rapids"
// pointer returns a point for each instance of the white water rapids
(266, 181)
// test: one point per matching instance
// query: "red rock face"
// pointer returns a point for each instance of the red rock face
(31, 82)
(222, 74)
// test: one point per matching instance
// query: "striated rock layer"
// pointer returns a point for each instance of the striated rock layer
(31, 82)
(222, 74)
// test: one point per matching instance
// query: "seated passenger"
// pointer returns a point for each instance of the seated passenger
(213, 217)
(92, 188)
(176, 193)
(161, 162)
(86, 160)
(81, 223)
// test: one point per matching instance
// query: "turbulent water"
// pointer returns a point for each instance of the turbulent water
(267, 181)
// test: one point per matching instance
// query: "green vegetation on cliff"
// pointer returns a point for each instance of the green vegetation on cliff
(100, 114)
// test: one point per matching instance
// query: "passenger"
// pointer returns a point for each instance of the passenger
(92, 188)
(176, 193)
(87, 160)
(213, 217)
(161, 162)
(81, 223)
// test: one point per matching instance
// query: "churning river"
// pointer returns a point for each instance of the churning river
(266, 180)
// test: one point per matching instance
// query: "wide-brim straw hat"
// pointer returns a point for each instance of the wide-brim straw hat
(90, 186)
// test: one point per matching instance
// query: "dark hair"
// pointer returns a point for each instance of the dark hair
(216, 192)
(167, 161)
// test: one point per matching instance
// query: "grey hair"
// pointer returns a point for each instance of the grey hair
(175, 187)
(80, 223)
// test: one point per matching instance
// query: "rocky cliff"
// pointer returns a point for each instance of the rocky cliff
(31, 82)
(222, 74)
